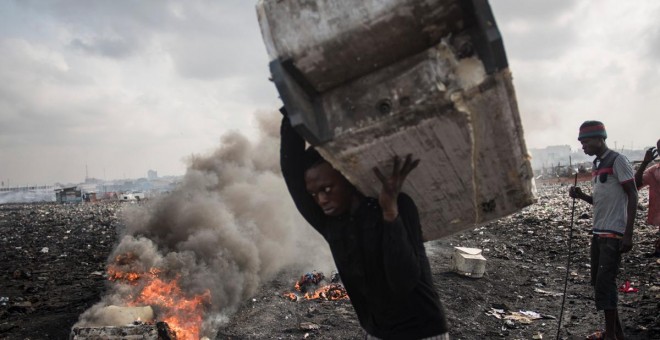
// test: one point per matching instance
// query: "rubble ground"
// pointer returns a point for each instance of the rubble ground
(53, 257)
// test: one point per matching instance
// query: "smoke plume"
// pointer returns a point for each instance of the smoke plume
(228, 227)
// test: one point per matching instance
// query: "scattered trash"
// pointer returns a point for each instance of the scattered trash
(627, 288)
(543, 262)
(314, 286)
(533, 315)
(309, 326)
(21, 274)
(545, 292)
(522, 317)
(468, 262)
(597, 335)
(44, 250)
(509, 323)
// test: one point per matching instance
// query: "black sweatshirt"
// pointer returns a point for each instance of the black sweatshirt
(382, 265)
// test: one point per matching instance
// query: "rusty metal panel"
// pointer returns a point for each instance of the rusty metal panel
(381, 78)
(128, 332)
(332, 41)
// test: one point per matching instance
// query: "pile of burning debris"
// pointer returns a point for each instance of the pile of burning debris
(179, 314)
(138, 330)
(54, 266)
(315, 286)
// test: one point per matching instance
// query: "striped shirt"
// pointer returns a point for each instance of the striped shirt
(610, 172)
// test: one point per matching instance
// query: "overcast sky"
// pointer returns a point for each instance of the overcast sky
(126, 86)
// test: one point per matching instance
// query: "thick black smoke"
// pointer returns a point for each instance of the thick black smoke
(229, 226)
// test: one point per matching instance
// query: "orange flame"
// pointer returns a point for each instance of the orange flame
(331, 292)
(291, 296)
(183, 313)
(117, 273)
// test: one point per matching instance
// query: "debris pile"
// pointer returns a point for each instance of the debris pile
(52, 264)
(527, 255)
(53, 267)
(181, 311)
(315, 286)
(157, 331)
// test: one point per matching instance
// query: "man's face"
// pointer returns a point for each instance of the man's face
(330, 190)
(591, 145)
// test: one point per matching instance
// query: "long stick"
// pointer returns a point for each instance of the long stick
(568, 262)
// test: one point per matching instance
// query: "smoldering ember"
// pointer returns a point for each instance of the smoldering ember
(57, 262)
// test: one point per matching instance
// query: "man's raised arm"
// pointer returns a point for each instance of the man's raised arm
(292, 155)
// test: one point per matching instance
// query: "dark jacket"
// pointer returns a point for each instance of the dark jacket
(382, 265)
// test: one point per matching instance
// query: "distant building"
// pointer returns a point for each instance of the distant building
(558, 156)
(68, 195)
(89, 197)
(550, 156)
(152, 174)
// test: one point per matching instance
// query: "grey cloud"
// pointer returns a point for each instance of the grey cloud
(114, 29)
(113, 48)
(531, 10)
(558, 86)
(652, 41)
(207, 48)
(648, 82)
(207, 40)
(546, 37)
(201, 45)
(540, 43)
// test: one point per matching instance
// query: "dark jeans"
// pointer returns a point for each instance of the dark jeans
(605, 261)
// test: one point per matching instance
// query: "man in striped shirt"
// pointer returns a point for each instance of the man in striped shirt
(614, 200)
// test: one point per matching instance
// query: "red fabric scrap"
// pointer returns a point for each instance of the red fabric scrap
(626, 288)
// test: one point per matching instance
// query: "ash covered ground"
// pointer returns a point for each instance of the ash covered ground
(53, 260)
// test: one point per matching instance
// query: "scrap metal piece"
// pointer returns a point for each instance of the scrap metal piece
(390, 77)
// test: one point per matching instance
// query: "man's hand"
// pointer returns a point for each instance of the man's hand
(575, 192)
(651, 154)
(392, 186)
(626, 243)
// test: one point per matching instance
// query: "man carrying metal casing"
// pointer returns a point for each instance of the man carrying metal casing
(614, 203)
(376, 242)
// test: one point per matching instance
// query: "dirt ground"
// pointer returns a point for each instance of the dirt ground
(43, 290)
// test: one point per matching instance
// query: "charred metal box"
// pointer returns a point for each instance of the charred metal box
(372, 79)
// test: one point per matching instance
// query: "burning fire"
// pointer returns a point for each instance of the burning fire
(117, 273)
(183, 313)
(330, 292)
